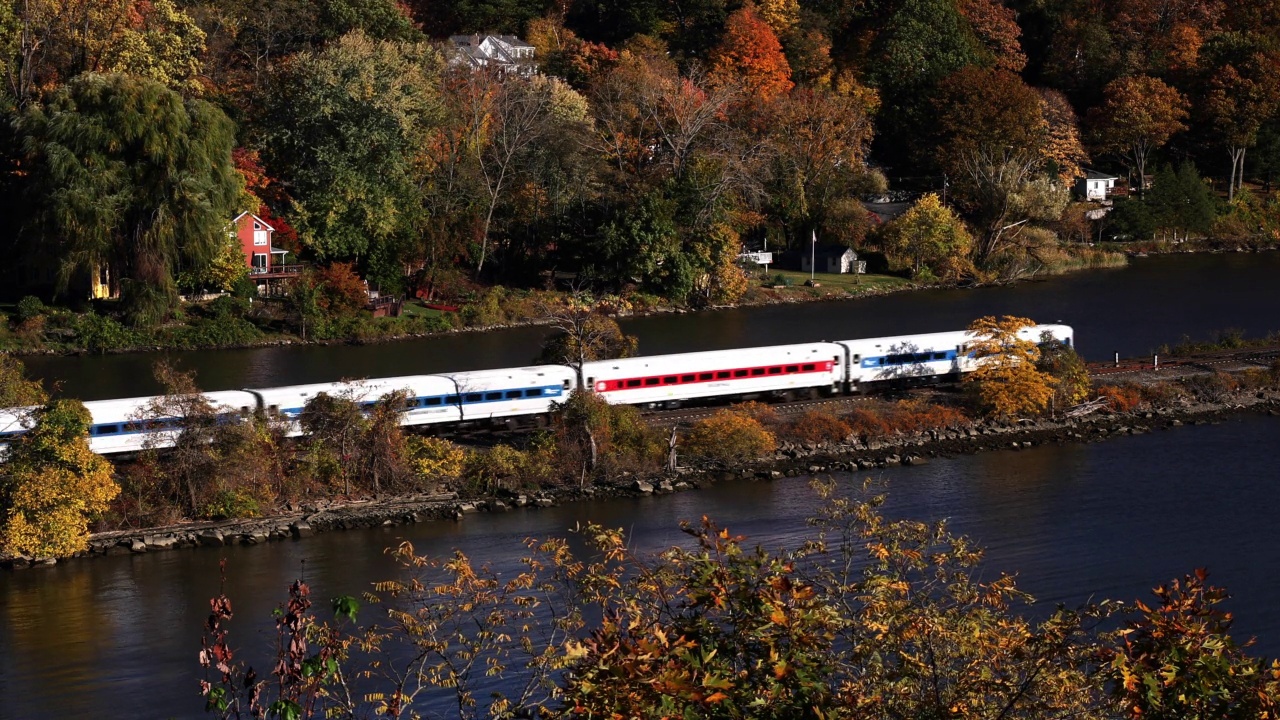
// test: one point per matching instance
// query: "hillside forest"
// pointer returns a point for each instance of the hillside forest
(643, 148)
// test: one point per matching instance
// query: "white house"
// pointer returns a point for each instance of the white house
(504, 53)
(1095, 185)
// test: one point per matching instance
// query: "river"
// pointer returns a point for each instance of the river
(119, 635)
(1109, 519)
(1131, 310)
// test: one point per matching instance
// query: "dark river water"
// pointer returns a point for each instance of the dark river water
(118, 636)
(1130, 310)
(1075, 522)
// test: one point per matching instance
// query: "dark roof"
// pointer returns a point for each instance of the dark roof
(1095, 175)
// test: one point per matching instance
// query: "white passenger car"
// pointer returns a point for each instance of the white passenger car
(131, 424)
(508, 393)
(908, 359)
(429, 398)
(779, 369)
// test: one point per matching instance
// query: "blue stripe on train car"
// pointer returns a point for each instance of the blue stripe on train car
(916, 358)
(476, 398)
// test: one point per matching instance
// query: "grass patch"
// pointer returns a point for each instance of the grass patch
(837, 283)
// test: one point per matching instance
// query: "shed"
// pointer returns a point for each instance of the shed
(830, 259)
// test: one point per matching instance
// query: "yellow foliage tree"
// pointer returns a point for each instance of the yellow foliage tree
(1007, 381)
(52, 484)
(435, 458)
(932, 238)
(729, 436)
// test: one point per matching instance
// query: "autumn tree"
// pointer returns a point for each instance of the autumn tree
(522, 112)
(749, 54)
(932, 238)
(60, 39)
(818, 149)
(130, 177)
(52, 485)
(342, 129)
(1007, 382)
(1060, 361)
(16, 389)
(582, 334)
(992, 137)
(1137, 117)
(1063, 149)
(996, 26)
(1176, 659)
(1238, 99)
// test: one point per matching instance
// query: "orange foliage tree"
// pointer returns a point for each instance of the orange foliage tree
(750, 54)
(1007, 382)
(1137, 117)
(729, 436)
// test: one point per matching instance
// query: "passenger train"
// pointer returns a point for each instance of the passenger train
(520, 394)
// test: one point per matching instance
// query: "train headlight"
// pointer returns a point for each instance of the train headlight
(600, 386)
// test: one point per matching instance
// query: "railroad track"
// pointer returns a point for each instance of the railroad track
(1216, 360)
(675, 416)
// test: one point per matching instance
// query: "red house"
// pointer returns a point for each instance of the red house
(255, 240)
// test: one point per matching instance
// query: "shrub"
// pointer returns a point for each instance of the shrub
(764, 414)
(232, 504)
(729, 437)
(866, 424)
(817, 426)
(435, 458)
(229, 306)
(1213, 387)
(1121, 398)
(98, 333)
(913, 416)
(28, 308)
(342, 292)
(497, 468)
(486, 310)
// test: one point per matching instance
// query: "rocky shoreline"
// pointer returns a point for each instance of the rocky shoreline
(790, 460)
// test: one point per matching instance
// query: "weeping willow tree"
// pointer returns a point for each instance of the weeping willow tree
(127, 175)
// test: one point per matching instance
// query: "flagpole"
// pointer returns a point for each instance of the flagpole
(813, 252)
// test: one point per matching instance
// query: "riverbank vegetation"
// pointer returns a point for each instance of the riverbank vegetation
(870, 617)
(633, 154)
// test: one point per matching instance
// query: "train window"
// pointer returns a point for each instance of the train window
(493, 396)
(533, 392)
(706, 376)
(273, 409)
(856, 357)
(451, 399)
(652, 381)
(473, 397)
(807, 367)
(633, 383)
(431, 401)
(566, 384)
(739, 373)
(775, 370)
(756, 372)
(939, 356)
(670, 380)
(686, 378)
(793, 368)
(108, 429)
(722, 374)
(513, 394)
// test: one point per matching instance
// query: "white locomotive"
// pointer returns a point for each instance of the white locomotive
(529, 393)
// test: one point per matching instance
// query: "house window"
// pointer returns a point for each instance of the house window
(259, 236)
